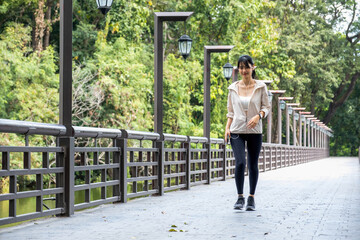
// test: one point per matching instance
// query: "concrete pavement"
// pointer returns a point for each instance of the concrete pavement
(316, 200)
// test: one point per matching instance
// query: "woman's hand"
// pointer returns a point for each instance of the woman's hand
(253, 122)
(227, 134)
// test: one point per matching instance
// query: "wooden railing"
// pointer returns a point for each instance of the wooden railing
(120, 164)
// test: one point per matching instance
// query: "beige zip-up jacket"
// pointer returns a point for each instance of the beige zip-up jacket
(258, 102)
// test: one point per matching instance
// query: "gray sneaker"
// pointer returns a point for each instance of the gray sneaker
(250, 204)
(240, 203)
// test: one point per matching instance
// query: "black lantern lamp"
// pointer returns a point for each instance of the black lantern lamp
(185, 43)
(296, 115)
(290, 110)
(104, 5)
(228, 69)
(270, 96)
(282, 104)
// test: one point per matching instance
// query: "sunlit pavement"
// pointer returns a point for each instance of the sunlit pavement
(316, 200)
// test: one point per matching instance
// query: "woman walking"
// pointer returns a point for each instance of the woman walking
(247, 104)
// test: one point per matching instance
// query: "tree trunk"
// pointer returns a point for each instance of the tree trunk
(39, 26)
(340, 97)
(49, 5)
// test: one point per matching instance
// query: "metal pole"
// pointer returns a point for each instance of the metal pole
(287, 125)
(206, 123)
(158, 75)
(279, 115)
(294, 129)
(305, 132)
(207, 70)
(279, 122)
(65, 103)
(235, 74)
(159, 18)
(309, 141)
(300, 130)
(312, 135)
(269, 126)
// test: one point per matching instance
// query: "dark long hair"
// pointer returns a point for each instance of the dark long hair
(248, 61)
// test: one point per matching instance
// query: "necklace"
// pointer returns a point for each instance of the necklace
(246, 87)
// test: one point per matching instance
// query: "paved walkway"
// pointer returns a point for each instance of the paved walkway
(317, 200)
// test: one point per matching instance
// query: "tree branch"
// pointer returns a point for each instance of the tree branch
(351, 22)
(337, 103)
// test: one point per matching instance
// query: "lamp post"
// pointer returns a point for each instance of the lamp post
(67, 199)
(289, 111)
(207, 57)
(315, 132)
(159, 18)
(281, 106)
(296, 118)
(269, 118)
(303, 120)
(310, 131)
(269, 127)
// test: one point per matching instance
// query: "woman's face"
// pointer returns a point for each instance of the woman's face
(244, 70)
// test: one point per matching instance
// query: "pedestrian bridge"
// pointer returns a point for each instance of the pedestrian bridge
(118, 164)
(315, 200)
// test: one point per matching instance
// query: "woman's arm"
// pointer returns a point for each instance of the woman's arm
(230, 116)
(227, 129)
(265, 104)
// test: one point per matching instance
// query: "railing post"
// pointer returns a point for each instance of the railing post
(270, 156)
(69, 200)
(160, 157)
(187, 146)
(208, 157)
(224, 160)
(276, 157)
(122, 175)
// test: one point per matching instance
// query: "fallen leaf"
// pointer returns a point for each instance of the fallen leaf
(173, 226)
(172, 230)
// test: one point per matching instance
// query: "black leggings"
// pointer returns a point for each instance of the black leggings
(254, 142)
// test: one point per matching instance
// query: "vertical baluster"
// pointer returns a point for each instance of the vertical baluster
(121, 174)
(5, 161)
(88, 181)
(187, 146)
(12, 202)
(208, 157)
(39, 186)
(160, 160)
(96, 154)
(27, 155)
(223, 148)
(45, 160)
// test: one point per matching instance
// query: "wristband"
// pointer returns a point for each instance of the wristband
(260, 115)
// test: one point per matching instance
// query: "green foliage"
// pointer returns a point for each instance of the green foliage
(301, 46)
(29, 83)
(125, 75)
(346, 141)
